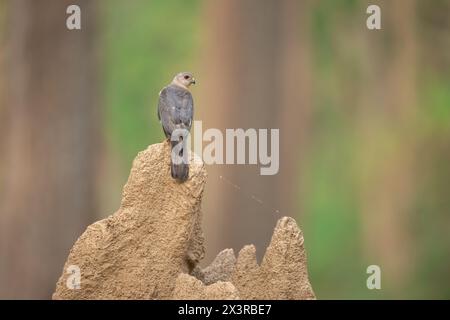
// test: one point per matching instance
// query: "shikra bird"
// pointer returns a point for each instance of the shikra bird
(175, 112)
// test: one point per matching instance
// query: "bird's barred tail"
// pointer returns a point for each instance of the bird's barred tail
(180, 171)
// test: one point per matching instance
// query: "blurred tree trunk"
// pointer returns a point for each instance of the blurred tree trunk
(388, 192)
(49, 142)
(256, 76)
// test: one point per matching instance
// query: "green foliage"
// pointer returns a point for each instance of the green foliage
(436, 98)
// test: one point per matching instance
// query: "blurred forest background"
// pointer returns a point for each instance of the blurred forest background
(364, 120)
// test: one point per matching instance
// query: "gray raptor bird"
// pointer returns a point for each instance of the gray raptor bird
(175, 112)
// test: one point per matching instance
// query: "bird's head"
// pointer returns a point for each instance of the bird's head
(184, 79)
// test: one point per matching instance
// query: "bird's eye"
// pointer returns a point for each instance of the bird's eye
(186, 77)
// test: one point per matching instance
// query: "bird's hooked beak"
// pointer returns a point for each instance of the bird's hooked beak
(193, 81)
